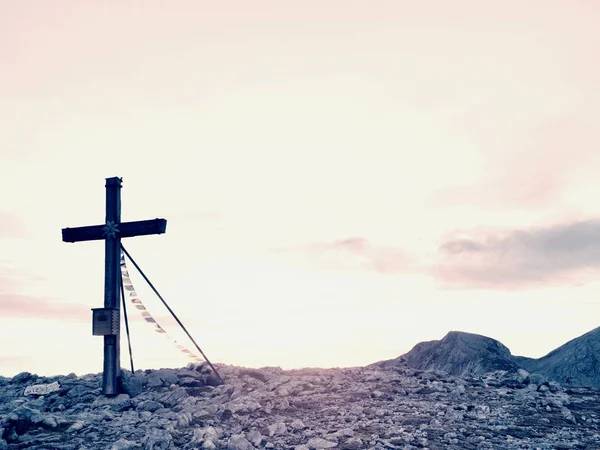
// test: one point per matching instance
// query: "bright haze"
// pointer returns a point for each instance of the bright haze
(341, 179)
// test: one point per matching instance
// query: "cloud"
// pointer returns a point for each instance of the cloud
(359, 253)
(11, 226)
(513, 259)
(14, 303)
(11, 278)
(530, 167)
(17, 305)
(516, 259)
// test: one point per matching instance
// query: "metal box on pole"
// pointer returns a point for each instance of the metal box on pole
(105, 321)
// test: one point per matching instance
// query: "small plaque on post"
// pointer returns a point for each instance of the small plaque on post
(105, 321)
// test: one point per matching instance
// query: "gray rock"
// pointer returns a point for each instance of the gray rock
(162, 377)
(320, 444)
(191, 382)
(76, 426)
(297, 425)
(22, 377)
(119, 402)
(353, 443)
(537, 379)
(149, 405)
(277, 429)
(208, 433)
(239, 442)
(567, 415)
(156, 439)
(78, 390)
(124, 444)
(243, 405)
(255, 437)
(173, 397)
(131, 384)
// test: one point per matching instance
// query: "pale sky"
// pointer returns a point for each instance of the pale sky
(341, 179)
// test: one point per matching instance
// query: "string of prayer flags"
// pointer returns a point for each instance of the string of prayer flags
(136, 301)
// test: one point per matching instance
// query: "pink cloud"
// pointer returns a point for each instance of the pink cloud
(17, 305)
(528, 167)
(12, 278)
(11, 226)
(357, 252)
(14, 303)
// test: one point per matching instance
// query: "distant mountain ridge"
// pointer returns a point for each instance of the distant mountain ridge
(576, 363)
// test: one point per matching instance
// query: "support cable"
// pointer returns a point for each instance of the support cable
(172, 313)
(126, 325)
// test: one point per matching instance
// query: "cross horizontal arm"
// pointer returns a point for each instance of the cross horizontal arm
(124, 230)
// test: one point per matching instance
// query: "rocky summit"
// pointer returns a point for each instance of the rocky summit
(395, 407)
(459, 353)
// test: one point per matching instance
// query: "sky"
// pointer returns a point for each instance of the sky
(341, 179)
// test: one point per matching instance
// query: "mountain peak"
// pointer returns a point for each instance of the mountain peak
(461, 353)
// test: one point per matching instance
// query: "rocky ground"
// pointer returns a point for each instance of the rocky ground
(356, 408)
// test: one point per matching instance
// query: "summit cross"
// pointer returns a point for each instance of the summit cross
(111, 232)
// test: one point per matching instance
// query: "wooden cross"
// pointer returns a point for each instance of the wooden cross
(112, 232)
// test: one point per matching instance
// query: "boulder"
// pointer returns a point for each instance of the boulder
(239, 442)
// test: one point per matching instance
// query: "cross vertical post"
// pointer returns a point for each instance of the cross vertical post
(106, 321)
(112, 270)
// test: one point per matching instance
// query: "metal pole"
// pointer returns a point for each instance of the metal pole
(112, 367)
(126, 324)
